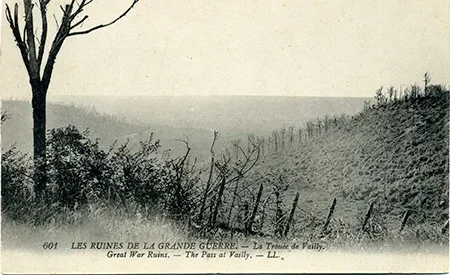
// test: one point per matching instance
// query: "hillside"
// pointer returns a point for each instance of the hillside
(230, 115)
(17, 129)
(393, 154)
(171, 119)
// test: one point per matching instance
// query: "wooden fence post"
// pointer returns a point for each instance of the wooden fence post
(211, 210)
(291, 215)
(330, 214)
(255, 209)
(369, 213)
(405, 219)
(278, 214)
(233, 200)
(445, 227)
(218, 201)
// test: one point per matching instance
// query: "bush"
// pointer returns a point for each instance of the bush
(78, 169)
(139, 176)
(82, 174)
(16, 182)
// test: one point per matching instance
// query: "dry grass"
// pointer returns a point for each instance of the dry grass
(98, 224)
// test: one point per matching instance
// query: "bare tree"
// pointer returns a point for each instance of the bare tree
(275, 140)
(250, 142)
(208, 183)
(291, 135)
(391, 93)
(366, 105)
(326, 123)
(319, 126)
(269, 144)
(426, 81)
(379, 96)
(283, 137)
(263, 144)
(32, 49)
(415, 92)
(227, 174)
(179, 166)
(309, 129)
(236, 149)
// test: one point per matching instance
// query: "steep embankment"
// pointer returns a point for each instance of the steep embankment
(395, 155)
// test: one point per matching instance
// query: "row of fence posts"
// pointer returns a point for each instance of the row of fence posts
(283, 231)
(405, 218)
(331, 211)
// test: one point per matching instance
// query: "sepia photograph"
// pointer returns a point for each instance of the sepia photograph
(224, 136)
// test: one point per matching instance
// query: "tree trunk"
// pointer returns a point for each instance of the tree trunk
(39, 142)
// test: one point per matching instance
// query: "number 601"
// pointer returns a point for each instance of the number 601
(50, 245)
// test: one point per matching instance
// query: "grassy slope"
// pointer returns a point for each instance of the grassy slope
(395, 155)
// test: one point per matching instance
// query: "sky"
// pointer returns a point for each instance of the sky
(248, 47)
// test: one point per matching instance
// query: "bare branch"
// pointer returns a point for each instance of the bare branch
(208, 182)
(243, 151)
(58, 41)
(43, 40)
(104, 25)
(81, 6)
(188, 149)
(14, 25)
(79, 22)
(8, 15)
(56, 21)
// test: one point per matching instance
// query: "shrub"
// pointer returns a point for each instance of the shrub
(380, 97)
(78, 168)
(16, 182)
(82, 174)
(139, 176)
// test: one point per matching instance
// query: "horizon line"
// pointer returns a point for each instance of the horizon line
(49, 98)
(206, 95)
